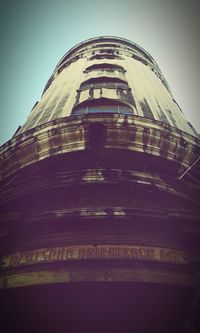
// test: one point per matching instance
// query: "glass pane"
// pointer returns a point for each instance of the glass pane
(110, 108)
(103, 109)
(98, 85)
(99, 109)
(79, 111)
(122, 86)
(125, 110)
(94, 109)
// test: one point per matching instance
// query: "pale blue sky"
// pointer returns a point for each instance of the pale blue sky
(36, 34)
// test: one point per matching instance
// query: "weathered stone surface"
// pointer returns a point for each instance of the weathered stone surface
(101, 184)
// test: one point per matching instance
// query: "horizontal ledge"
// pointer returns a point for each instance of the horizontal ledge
(102, 274)
(70, 136)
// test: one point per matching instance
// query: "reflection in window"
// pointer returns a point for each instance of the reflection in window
(102, 105)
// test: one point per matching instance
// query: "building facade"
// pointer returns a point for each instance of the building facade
(99, 193)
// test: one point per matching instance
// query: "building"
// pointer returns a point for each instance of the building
(100, 226)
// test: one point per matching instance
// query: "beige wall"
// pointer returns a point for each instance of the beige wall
(142, 75)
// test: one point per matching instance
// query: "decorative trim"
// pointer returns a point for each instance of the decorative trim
(127, 132)
(91, 252)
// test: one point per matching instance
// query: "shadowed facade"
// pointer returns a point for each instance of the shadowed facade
(99, 198)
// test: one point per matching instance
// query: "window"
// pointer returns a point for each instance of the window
(146, 109)
(104, 82)
(105, 45)
(105, 67)
(104, 56)
(102, 105)
(134, 56)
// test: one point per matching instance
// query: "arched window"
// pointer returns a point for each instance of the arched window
(102, 105)
(105, 45)
(105, 67)
(104, 82)
(105, 55)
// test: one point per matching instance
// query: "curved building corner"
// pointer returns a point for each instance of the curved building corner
(99, 196)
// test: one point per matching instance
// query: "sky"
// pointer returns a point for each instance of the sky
(35, 34)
